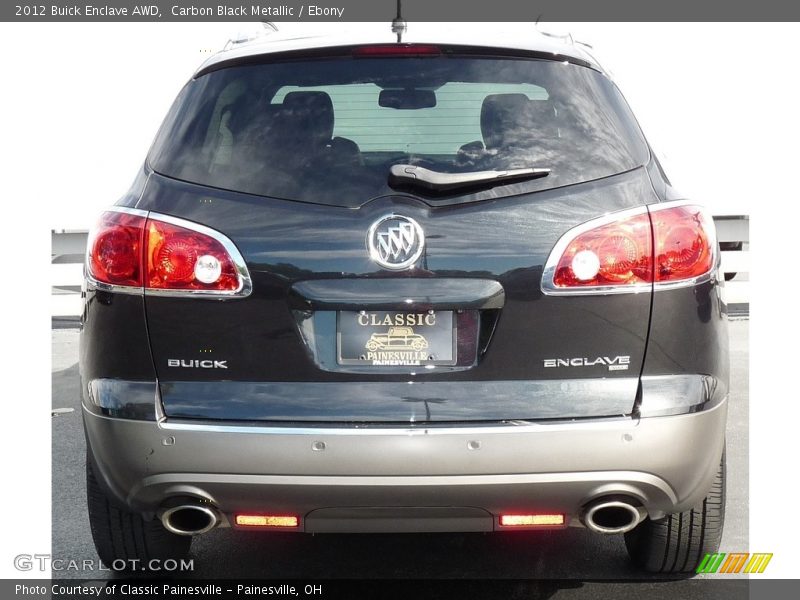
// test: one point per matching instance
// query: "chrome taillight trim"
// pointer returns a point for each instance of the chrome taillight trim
(245, 282)
(549, 288)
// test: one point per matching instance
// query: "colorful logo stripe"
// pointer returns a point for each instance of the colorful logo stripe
(735, 562)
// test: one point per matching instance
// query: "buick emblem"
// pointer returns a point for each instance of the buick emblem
(395, 242)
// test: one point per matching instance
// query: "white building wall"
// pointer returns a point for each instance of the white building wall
(87, 99)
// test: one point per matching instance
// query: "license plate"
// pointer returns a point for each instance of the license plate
(386, 338)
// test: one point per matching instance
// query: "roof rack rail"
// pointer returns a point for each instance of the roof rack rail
(248, 35)
(564, 37)
(567, 38)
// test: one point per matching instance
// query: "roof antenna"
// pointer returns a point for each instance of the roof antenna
(399, 24)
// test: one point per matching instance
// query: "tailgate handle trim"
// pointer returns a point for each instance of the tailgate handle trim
(398, 293)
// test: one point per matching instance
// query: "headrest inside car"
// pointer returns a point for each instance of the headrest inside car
(311, 114)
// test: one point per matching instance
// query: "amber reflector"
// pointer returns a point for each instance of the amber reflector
(266, 521)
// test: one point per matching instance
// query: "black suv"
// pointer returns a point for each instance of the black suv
(417, 286)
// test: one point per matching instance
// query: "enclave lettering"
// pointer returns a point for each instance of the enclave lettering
(617, 363)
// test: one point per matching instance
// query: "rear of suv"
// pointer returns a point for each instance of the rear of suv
(417, 286)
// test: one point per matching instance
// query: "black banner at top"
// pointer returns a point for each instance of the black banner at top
(412, 10)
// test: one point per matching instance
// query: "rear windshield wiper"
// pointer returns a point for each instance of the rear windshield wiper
(411, 175)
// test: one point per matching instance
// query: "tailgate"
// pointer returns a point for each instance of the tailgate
(327, 335)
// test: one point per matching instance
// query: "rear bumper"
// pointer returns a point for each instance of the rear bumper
(441, 478)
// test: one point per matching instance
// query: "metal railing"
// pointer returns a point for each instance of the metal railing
(733, 234)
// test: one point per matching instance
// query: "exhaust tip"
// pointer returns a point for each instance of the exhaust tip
(189, 519)
(612, 516)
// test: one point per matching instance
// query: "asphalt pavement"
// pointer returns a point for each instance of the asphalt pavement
(562, 564)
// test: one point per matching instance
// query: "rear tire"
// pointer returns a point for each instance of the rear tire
(121, 536)
(678, 542)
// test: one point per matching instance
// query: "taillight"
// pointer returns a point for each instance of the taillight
(179, 258)
(617, 253)
(115, 250)
(164, 255)
(666, 244)
(685, 243)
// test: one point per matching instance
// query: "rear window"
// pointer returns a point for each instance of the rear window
(328, 131)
